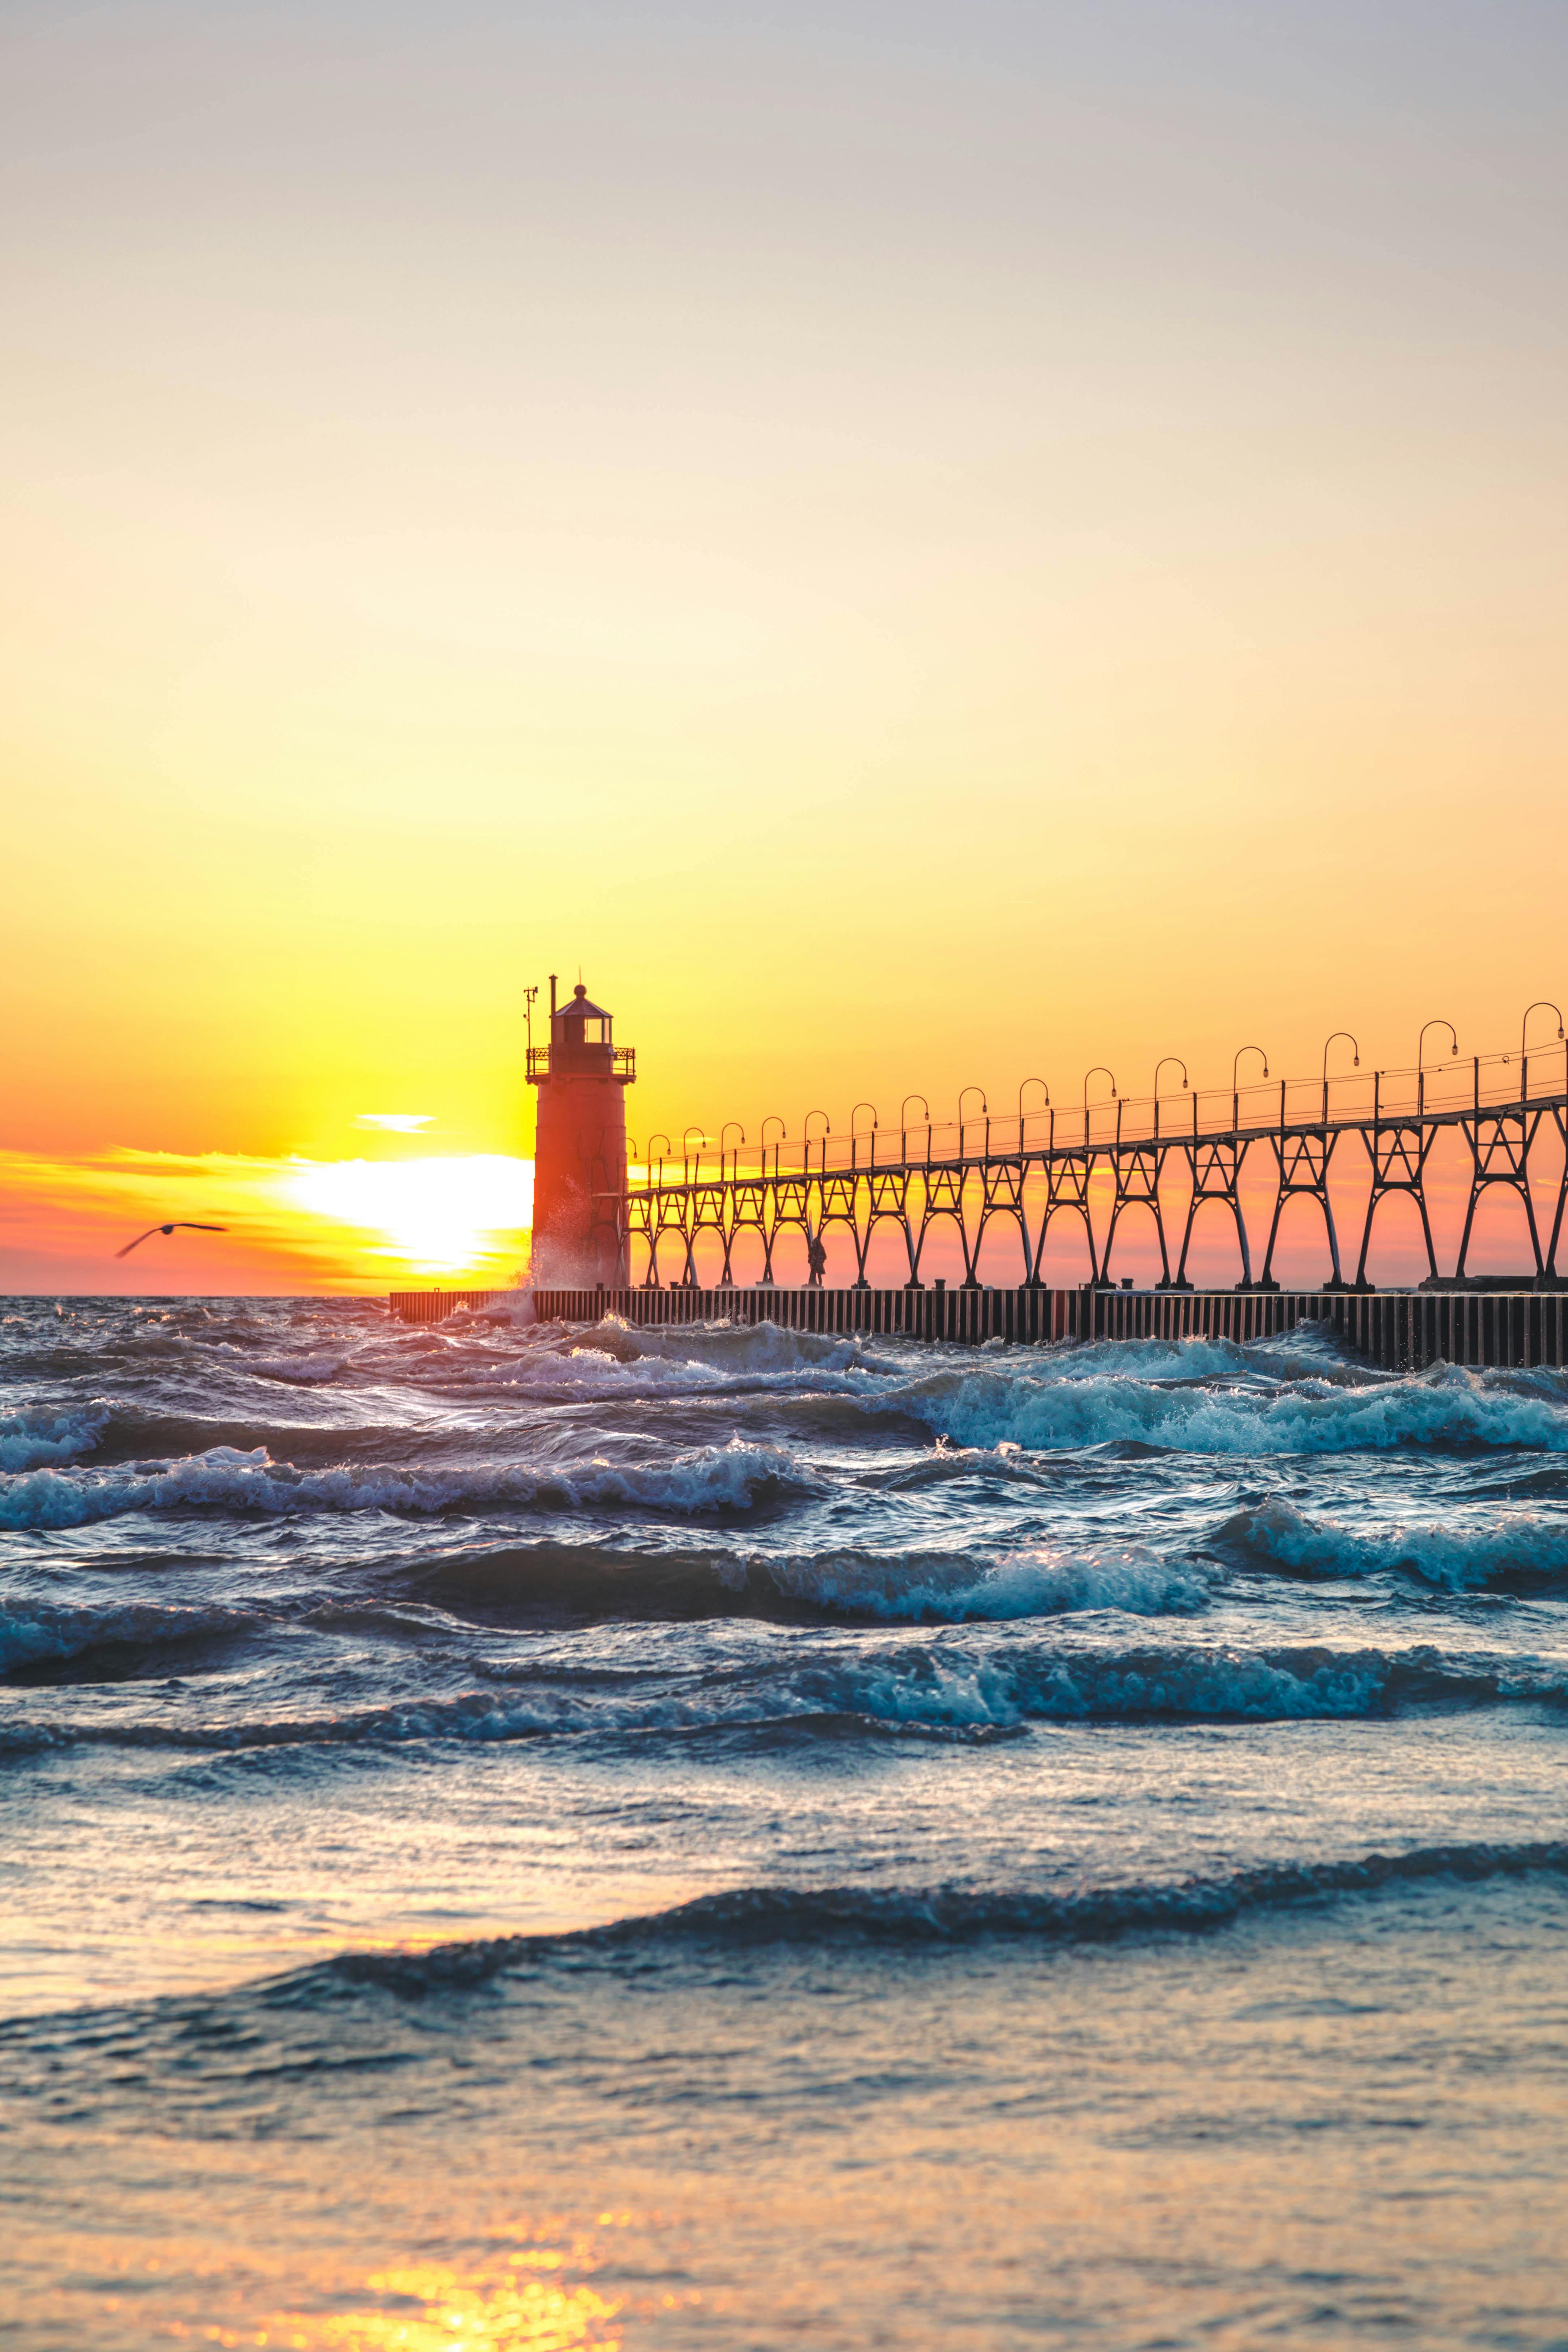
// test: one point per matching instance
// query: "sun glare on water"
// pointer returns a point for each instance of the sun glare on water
(436, 1216)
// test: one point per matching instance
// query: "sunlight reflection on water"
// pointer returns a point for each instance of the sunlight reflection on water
(532, 2300)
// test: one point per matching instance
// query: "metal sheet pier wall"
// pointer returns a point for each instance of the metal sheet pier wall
(1399, 1330)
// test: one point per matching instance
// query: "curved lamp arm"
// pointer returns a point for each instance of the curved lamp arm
(1350, 1041)
(1542, 1005)
(1160, 1065)
(1099, 1071)
(1236, 1062)
(1421, 1041)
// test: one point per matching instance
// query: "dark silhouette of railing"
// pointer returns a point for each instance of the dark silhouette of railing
(582, 1061)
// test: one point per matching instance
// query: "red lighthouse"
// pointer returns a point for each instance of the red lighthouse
(580, 1148)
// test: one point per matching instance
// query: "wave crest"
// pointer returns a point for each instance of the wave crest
(585, 1581)
(940, 1688)
(35, 1434)
(1522, 1548)
(754, 1915)
(1446, 1407)
(732, 1477)
(32, 1632)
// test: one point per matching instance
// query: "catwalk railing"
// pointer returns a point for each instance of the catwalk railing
(1028, 1170)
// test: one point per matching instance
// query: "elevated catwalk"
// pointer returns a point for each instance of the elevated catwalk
(1397, 1329)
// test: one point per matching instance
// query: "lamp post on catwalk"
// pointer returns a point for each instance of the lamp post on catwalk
(579, 1147)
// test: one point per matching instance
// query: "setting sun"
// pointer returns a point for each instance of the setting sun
(435, 1217)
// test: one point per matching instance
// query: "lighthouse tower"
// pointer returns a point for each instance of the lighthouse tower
(580, 1149)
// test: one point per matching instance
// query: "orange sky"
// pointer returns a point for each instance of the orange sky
(915, 546)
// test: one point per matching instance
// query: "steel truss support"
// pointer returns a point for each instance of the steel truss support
(1067, 1178)
(1397, 1150)
(1499, 1154)
(943, 1197)
(1214, 1164)
(1301, 1160)
(1137, 1170)
(1002, 1196)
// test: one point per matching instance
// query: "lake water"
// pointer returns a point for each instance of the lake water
(526, 1837)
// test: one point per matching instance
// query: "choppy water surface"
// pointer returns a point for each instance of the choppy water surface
(530, 1837)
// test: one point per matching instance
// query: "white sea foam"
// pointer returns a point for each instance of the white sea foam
(1138, 1359)
(1002, 1689)
(612, 1364)
(1040, 1581)
(713, 1353)
(997, 1693)
(1307, 1353)
(310, 1371)
(33, 1436)
(1445, 1407)
(1456, 1556)
(592, 1373)
(940, 1687)
(224, 1478)
(750, 1347)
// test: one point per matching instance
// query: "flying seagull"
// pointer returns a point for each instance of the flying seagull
(183, 1225)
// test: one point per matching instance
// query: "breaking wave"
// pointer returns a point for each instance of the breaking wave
(592, 1580)
(734, 1478)
(939, 1689)
(28, 1438)
(1309, 1352)
(1037, 1582)
(1517, 1549)
(1447, 1407)
(613, 1362)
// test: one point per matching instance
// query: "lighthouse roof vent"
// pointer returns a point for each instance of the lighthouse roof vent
(580, 1008)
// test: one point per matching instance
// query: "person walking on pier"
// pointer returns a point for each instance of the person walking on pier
(816, 1259)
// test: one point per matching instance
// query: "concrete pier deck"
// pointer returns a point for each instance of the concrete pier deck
(1400, 1330)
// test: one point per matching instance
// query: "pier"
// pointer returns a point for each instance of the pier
(1167, 1159)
